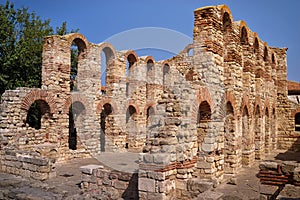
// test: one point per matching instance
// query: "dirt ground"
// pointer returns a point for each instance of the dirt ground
(66, 185)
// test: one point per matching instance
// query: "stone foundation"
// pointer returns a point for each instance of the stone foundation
(27, 164)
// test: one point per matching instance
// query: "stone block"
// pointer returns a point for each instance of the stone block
(125, 176)
(157, 175)
(268, 165)
(207, 147)
(106, 181)
(166, 186)
(209, 140)
(204, 165)
(199, 185)
(120, 185)
(148, 158)
(288, 166)
(161, 158)
(296, 176)
(88, 169)
(181, 184)
(146, 184)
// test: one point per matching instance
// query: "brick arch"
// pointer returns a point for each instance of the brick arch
(258, 102)
(267, 105)
(245, 103)
(38, 94)
(149, 67)
(131, 52)
(75, 98)
(109, 50)
(224, 8)
(244, 29)
(84, 44)
(131, 102)
(105, 101)
(166, 62)
(266, 52)
(225, 11)
(187, 49)
(166, 68)
(294, 112)
(256, 43)
(229, 97)
(150, 104)
(202, 95)
(148, 58)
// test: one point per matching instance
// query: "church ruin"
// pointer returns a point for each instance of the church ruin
(193, 116)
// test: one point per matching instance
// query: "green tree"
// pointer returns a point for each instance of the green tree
(21, 43)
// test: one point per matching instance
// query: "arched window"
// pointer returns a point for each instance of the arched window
(203, 119)
(106, 57)
(166, 71)
(246, 138)
(77, 53)
(130, 114)
(37, 111)
(297, 122)
(273, 58)
(267, 131)
(204, 112)
(131, 59)
(190, 52)
(226, 21)
(150, 67)
(150, 113)
(131, 126)
(244, 36)
(265, 54)
(229, 136)
(106, 111)
(256, 46)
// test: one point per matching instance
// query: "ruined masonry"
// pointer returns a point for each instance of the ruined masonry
(197, 116)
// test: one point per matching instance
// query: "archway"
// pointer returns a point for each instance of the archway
(166, 71)
(150, 113)
(76, 123)
(203, 119)
(104, 124)
(230, 154)
(258, 137)
(38, 114)
(267, 131)
(107, 55)
(77, 50)
(246, 139)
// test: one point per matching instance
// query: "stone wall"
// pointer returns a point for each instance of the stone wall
(104, 183)
(27, 164)
(194, 116)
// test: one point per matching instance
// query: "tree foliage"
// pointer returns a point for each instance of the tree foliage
(21, 42)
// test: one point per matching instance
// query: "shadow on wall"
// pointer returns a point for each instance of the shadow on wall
(293, 153)
(131, 191)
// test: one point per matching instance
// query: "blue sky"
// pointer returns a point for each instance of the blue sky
(275, 21)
